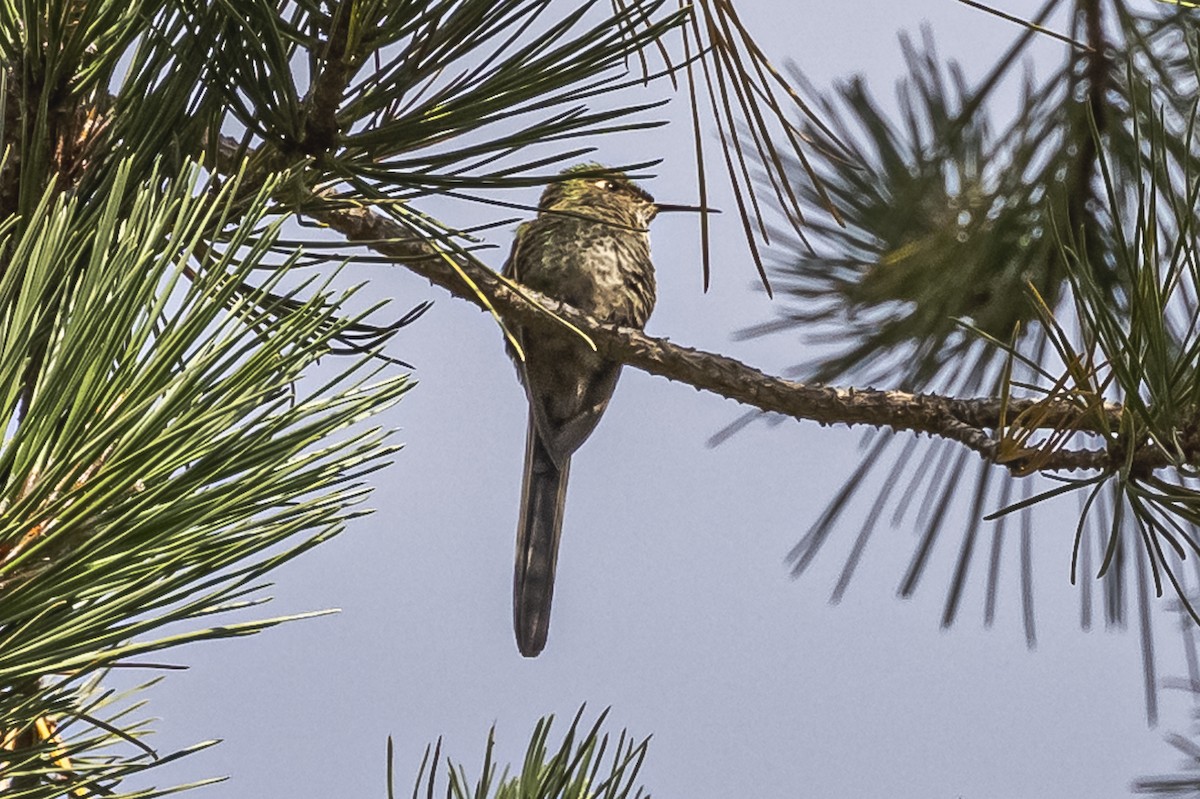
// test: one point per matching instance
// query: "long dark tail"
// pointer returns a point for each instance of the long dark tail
(542, 495)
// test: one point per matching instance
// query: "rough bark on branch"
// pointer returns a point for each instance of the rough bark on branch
(967, 421)
(964, 420)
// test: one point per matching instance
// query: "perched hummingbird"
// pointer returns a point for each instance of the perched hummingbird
(589, 247)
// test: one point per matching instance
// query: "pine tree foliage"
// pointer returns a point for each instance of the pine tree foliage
(575, 770)
(166, 443)
(165, 447)
(161, 450)
(1048, 256)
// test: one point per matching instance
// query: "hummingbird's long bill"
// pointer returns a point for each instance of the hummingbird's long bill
(667, 208)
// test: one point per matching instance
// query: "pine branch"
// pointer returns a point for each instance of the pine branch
(963, 420)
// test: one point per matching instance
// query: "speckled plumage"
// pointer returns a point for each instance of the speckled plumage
(590, 247)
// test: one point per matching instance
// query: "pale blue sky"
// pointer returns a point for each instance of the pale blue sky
(673, 603)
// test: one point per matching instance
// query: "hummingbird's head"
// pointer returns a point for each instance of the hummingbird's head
(587, 190)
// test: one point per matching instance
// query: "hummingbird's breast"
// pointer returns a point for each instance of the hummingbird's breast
(604, 269)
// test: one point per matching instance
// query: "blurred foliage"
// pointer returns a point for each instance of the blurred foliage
(1186, 781)
(1050, 256)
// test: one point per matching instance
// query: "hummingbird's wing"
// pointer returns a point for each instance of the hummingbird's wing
(542, 494)
(567, 384)
(568, 387)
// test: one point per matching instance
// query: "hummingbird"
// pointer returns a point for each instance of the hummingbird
(590, 248)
